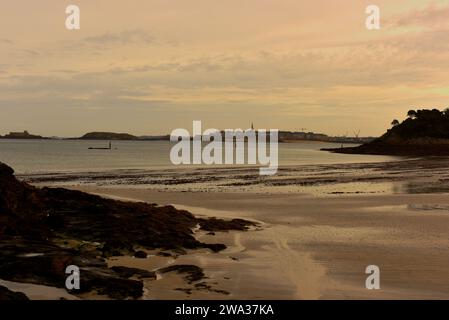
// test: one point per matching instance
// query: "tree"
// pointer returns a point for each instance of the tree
(411, 114)
(446, 112)
(394, 123)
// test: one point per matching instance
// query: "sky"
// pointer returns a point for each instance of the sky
(150, 66)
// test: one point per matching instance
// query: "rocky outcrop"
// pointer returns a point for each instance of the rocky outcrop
(42, 231)
(6, 294)
(396, 147)
(191, 273)
(423, 133)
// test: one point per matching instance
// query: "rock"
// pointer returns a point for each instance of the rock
(214, 224)
(42, 231)
(215, 247)
(191, 273)
(206, 287)
(6, 294)
(129, 272)
(140, 254)
(108, 282)
(164, 254)
(185, 290)
(6, 171)
(114, 247)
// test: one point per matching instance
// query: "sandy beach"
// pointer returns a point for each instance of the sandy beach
(318, 228)
(312, 247)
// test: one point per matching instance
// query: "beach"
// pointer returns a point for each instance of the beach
(306, 251)
(319, 228)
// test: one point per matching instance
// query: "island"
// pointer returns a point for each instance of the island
(21, 135)
(107, 136)
(120, 136)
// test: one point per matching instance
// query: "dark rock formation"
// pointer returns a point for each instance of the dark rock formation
(42, 231)
(140, 254)
(191, 273)
(131, 272)
(6, 294)
(214, 224)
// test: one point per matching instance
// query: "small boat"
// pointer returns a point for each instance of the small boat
(107, 148)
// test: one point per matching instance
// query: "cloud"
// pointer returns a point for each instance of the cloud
(31, 52)
(6, 42)
(248, 77)
(432, 16)
(313, 62)
(123, 37)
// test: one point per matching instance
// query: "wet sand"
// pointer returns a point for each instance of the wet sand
(309, 247)
(411, 176)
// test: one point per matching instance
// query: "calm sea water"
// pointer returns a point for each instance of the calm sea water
(40, 156)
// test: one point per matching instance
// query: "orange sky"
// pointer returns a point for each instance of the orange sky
(149, 66)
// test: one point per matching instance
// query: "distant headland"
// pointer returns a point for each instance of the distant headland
(423, 133)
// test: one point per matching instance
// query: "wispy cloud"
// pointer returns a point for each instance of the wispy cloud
(6, 42)
(431, 16)
(31, 52)
(123, 37)
(297, 60)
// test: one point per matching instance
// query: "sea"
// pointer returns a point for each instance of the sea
(51, 156)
